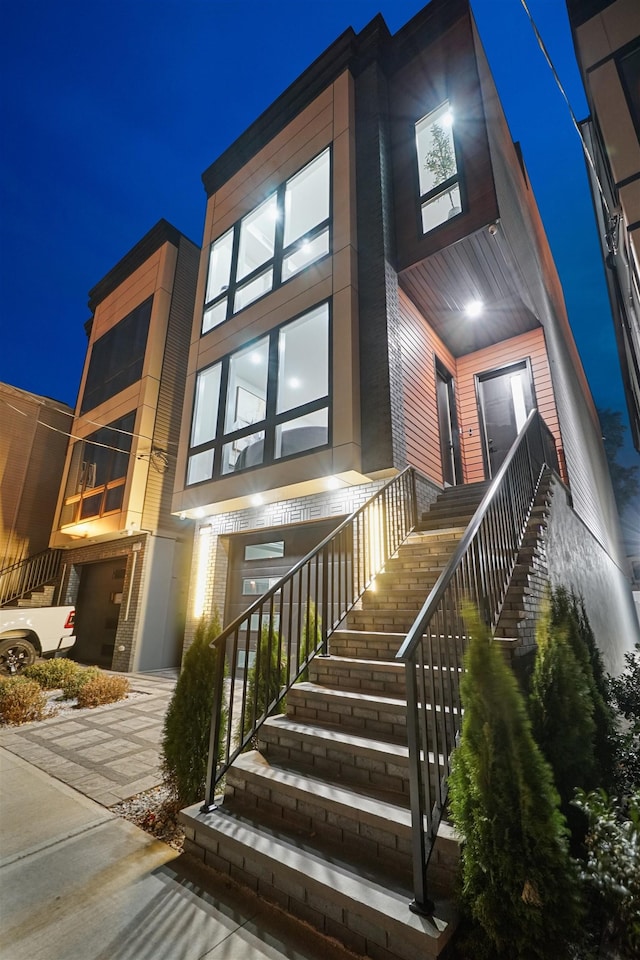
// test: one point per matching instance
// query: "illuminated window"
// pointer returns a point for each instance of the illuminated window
(98, 472)
(265, 402)
(437, 168)
(282, 236)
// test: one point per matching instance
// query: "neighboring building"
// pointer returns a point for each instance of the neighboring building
(606, 35)
(125, 561)
(376, 290)
(33, 444)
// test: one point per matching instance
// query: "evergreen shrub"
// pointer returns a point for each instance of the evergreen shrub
(518, 882)
(265, 678)
(76, 681)
(185, 740)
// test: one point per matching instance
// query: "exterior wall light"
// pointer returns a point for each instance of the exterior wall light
(256, 500)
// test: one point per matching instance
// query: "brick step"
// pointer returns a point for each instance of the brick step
(447, 534)
(364, 911)
(400, 599)
(379, 766)
(368, 830)
(365, 644)
(434, 520)
(364, 675)
(378, 716)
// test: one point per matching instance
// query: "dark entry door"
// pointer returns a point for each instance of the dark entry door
(98, 610)
(505, 399)
(448, 427)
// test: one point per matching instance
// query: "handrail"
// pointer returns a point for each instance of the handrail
(479, 571)
(28, 574)
(270, 645)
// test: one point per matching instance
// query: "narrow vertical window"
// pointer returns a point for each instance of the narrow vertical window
(437, 167)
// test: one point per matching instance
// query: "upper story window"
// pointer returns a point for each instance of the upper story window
(629, 69)
(437, 168)
(262, 403)
(98, 472)
(286, 233)
(117, 358)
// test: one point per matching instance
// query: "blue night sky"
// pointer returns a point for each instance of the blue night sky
(111, 111)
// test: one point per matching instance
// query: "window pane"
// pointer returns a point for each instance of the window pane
(91, 506)
(306, 202)
(244, 452)
(304, 433)
(113, 498)
(266, 620)
(205, 414)
(200, 467)
(435, 150)
(264, 551)
(214, 315)
(253, 290)
(303, 360)
(247, 389)
(256, 586)
(219, 266)
(117, 358)
(305, 254)
(441, 208)
(257, 236)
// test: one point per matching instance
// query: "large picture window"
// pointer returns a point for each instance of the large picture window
(117, 358)
(437, 168)
(267, 401)
(286, 233)
(98, 472)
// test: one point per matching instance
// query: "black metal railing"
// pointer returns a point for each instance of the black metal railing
(479, 573)
(28, 574)
(266, 649)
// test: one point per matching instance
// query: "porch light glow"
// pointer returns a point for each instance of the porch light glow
(257, 500)
(333, 483)
(447, 118)
(200, 592)
(474, 308)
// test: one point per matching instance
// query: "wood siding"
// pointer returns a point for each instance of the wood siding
(529, 346)
(420, 346)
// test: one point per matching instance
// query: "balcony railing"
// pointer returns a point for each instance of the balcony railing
(266, 649)
(479, 572)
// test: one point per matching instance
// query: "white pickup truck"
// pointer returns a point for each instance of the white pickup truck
(30, 632)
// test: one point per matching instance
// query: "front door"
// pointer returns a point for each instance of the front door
(448, 427)
(505, 399)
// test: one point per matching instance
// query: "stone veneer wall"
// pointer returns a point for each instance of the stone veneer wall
(298, 510)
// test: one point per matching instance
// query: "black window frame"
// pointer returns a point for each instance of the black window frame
(280, 252)
(440, 189)
(104, 380)
(632, 97)
(272, 419)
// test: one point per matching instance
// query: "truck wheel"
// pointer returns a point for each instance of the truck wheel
(15, 655)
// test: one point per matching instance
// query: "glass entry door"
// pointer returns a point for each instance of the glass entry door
(505, 399)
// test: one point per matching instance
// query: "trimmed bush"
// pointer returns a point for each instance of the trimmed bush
(102, 689)
(185, 739)
(52, 674)
(264, 683)
(75, 682)
(21, 700)
(311, 636)
(518, 882)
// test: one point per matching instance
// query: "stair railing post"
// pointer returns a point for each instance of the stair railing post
(325, 601)
(215, 732)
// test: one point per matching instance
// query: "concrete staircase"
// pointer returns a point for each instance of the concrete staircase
(317, 819)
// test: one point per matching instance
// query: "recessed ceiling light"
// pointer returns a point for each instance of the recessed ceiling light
(474, 308)
(447, 119)
(256, 500)
(333, 483)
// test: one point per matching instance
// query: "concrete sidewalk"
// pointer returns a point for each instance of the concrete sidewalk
(80, 884)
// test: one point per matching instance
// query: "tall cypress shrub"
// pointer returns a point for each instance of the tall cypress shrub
(518, 881)
(561, 708)
(187, 724)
